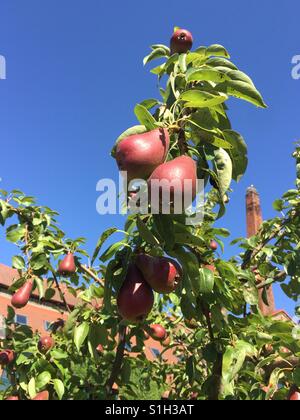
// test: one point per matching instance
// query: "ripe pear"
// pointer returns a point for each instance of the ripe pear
(180, 178)
(100, 349)
(162, 274)
(46, 344)
(12, 398)
(22, 296)
(157, 332)
(6, 357)
(210, 267)
(295, 396)
(140, 154)
(42, 396)
(67, 267)
(181, 41)
(135, 299)
(213, 245)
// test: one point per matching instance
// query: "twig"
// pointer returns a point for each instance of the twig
(118, 360)
(62, 295)
(91, 274)
(281, 275)
(253, 253)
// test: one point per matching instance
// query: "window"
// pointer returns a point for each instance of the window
(47, 325)
(21, 320)
(155, 352)
(128, 347)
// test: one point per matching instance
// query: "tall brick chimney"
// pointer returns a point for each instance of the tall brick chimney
(254, 221)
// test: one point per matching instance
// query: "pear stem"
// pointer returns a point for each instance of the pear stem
(118, 360)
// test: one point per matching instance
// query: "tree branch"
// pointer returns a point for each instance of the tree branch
(91, 274)
(118, 360)
(61, 293)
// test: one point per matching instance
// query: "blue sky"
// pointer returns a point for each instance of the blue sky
(74, 74)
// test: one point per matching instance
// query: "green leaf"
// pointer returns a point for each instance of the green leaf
(15, 233)
(217, 51)
(149, 103)
(18, 263)
(191, 268)
(206, 73)
(110, 252)
(32, 388)
(59, 388)
(40, 285)
(42, 380)
(201, 99)
(80, 334)
(190, 369)
(221, 62)
(241, 90)
(250, 293)
(238, 154)
(155, 54)
(105, 235)
(145, 118)
(165, 227)
(223, 167)
(145, 233)
(239, 75)
(207, 281)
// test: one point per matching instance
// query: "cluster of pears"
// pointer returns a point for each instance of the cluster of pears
(143, 156)
(147, 274)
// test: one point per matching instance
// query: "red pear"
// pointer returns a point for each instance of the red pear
(42, 396)
(46, 344)
(6, 357)
(100, 349)
(210, 267)
(162, 274)
(12, 398)
(173, 183)
(67, 267)
(157, 332)
(181, 41)
(140, 154)
(213, 245)
(295, 396)
(135, 299)
(22, 296)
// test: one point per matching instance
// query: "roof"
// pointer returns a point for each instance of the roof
(8, 275)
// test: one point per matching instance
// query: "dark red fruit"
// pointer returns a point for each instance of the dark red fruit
(67, 267)
(22, 296)
(42, 396)
(213, 245)
(158, 332)
(135, 299)
(181, 41)
(173, 185)
(162, 274)
(46, 344)
(6, 357)
(100, 349)
(140, 154)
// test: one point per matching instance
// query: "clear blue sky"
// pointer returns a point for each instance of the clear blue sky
(74, 74)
